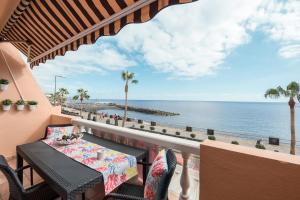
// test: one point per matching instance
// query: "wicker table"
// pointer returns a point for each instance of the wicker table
(65, 175)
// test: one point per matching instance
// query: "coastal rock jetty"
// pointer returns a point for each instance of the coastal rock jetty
(94, 107)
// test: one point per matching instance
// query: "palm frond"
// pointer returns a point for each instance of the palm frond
(130, 76)
(135, 81)
(293, 88)
(283, 91)
(124, 75)
(272, 93)
(76, 97)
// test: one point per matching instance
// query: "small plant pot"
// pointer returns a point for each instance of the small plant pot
(235, 142)
(20, 107)
(3, 87)
(6, 107)
(152, 128)
(32, 107)
(142, 126)
(177, 133)
(164, 130)
(193, 135)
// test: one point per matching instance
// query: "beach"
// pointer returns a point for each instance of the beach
(200, 135)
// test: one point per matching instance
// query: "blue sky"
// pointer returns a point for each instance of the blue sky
(220, 50)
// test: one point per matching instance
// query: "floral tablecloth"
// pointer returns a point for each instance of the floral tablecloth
(115, 166)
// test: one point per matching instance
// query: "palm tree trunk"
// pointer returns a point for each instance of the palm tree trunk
(293, 134)
(126, 104)
(81, 108)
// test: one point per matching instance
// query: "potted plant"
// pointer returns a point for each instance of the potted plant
(20, 105)
(193, 135)
(235, 142)
(152, 128)
(6, 104)
(177, 133)
(164, 130)
(260, 146)
(3, 84)
(142, 126)
(211, 137)
(32, 105)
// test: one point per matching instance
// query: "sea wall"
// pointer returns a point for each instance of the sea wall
(92, 107)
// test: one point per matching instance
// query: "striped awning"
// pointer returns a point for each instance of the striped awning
(53, 27)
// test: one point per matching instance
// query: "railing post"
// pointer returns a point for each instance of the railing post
(185, 179)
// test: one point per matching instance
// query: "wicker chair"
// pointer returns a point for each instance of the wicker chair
(40, 191)
(135, 192)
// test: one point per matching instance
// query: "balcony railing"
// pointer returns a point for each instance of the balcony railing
(121, 134)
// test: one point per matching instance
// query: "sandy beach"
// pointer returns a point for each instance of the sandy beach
(199, 135)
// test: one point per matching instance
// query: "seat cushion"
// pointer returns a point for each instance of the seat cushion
(156, 177)
(58, 132)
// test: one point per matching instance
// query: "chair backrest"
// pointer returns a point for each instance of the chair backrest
(55, 125)
(171, 161)
(16, 189)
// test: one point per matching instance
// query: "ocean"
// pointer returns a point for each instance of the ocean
(246, 118)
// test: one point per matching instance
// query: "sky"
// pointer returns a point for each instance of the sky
(209, 50)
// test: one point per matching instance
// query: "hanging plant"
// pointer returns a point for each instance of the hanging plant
(3, 84)
(6, 104)
(32, 105)
(20, 104)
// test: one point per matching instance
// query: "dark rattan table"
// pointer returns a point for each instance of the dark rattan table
(65, 175)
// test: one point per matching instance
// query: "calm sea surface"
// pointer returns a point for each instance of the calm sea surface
(265, 119)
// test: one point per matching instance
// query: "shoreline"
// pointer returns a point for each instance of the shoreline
(199, 134)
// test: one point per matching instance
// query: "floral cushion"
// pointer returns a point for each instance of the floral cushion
(58, 132)
(156, 177)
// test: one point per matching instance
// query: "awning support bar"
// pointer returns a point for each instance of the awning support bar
(21, 41)
(12, 76)
(14, 41)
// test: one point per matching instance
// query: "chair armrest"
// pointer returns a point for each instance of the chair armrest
(40, 191)
(122, 196)
(22, 168)
(144, 163)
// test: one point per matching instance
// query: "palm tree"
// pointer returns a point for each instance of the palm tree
(62, 93)
(128, 77)
(81, 95)
(292, 92)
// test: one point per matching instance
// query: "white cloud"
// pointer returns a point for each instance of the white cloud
(88, 59)
(191, 40)
(280, 20)
(290, 51)
(187, 41)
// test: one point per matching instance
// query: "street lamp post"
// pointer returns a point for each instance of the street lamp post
(54, 95)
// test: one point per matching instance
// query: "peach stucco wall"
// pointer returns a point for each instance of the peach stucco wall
(231, 172)
(18, 127)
